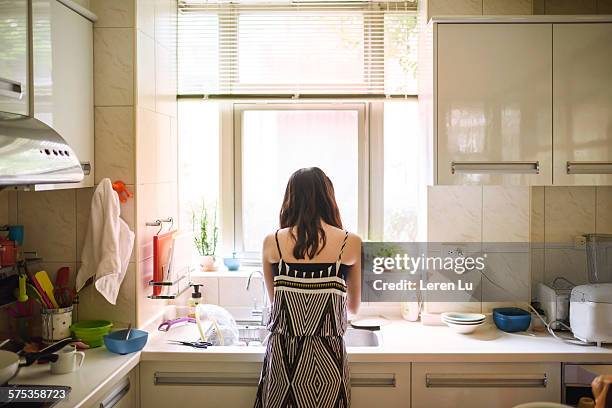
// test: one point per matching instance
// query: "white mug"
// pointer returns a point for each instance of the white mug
(67, 360)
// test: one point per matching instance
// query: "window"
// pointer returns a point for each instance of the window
(267, 88)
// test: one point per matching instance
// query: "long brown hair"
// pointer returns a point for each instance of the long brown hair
(309, 199)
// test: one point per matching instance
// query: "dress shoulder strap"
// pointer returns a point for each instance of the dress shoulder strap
(342, 247)
(280, 254)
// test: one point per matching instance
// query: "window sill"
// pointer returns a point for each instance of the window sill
(222, 272)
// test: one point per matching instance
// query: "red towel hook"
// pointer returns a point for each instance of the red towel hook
(122, 191)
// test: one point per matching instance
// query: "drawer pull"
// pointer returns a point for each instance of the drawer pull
(586, 167)
(373, 380)
(115, 396)
(486, 380)
(210, 379)
(10, 88)
(492, 167)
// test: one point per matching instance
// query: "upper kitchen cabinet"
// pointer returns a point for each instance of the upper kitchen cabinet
(14, 56)
(582, 103)
(62, 59)
(493, 103)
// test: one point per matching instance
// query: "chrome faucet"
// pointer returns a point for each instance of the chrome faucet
(261, 313)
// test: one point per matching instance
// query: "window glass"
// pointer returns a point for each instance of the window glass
(275, 143)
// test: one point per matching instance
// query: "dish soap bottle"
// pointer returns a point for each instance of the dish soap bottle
(194, 300)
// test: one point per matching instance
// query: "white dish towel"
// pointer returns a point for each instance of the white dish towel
(108, 244)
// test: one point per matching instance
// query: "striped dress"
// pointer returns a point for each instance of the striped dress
(306, 363)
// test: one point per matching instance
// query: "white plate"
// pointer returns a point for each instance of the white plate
(464, 328)
(457, 316)
(463, 323)
(370, 322)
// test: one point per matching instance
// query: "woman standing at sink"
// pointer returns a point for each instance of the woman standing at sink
(312, 270)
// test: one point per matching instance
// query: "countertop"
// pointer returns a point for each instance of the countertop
(401, 341)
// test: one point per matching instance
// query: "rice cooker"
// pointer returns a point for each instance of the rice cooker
(591, 312)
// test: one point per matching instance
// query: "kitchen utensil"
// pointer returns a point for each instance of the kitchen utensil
(9, 364)
(23, 309)
(22, 296)
(68, 360)
(590, 311)
(56, 323)
(47, 287)
(168, 324)
(194, 344)
(511, 319)
(33, 294)
(162, 248)
(92, 332)
(554, 301)
(370, 323)
(62, 278)
(64, 296)
(119, 343)
(128, 332)
(463, 328)
(599, 257)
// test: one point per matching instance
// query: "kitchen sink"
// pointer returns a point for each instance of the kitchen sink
(352, 337)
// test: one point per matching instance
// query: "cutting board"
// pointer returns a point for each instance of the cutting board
(162, 249)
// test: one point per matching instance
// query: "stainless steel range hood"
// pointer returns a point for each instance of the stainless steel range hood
(33, 153)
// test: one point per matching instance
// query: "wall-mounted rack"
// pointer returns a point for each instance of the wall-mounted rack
(169, 284)
(160, 223)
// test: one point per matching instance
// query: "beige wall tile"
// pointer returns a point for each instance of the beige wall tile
(565, 262)
(114, 144)
(454, 7)
(571, 6)
(537, 215)
(83, 210)
(165, 161)
(454, 213)
(147, 210)
(537, 269)
(603, 221)
(165, 83)
(505, 214)
(113, 13)
(13, 207)
(604, 6)
(209, 290)
(147, 309)
(539, 6)
(94, 306)
(4, 207)
(569, 211)
(49, 220)
(145, 71)
(145, 16)
(146, 146)
(233, 292)
(514, 7)
(113, 66)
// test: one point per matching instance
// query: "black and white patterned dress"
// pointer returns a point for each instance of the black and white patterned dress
(306, 363)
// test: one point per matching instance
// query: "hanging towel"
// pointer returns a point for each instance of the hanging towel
(108, 244)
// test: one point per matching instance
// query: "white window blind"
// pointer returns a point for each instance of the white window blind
(297, 49)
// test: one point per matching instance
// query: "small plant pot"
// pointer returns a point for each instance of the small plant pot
(207, 263)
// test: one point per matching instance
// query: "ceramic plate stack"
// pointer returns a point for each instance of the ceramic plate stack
(463, 323)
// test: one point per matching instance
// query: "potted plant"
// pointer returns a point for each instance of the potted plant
(205, 237)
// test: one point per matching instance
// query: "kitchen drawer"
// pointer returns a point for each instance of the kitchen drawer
(477, 385)
(380, 385)
(121, 394)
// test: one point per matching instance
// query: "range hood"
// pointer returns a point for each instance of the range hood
(33, 153)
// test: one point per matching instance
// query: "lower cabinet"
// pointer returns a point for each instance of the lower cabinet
(124, 393)
(477, 385)
(216, 385)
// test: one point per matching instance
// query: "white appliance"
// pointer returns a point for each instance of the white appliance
(555, 301)
(591, 312)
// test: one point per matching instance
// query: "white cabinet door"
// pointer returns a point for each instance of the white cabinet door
(484, 385)
(198, 385)
(14, 56)
(380, 385)
(494, 104)
(63, 78)
(582, 102)
(124, 393)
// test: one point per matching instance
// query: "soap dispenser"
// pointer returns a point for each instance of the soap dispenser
(194, 300)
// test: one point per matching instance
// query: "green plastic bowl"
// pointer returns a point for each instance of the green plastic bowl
(91, 332)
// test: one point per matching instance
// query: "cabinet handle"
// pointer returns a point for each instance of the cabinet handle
(589, 167)
(115, 396)
(241, 379)
(373, 380)
(492, 167)
(487, 380)
(10, 88)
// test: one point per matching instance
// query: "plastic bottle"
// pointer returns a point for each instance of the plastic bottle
(194, 300)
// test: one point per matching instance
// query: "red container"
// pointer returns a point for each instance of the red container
(8, 252)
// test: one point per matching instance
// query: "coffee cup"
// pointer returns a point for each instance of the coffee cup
(68, 360)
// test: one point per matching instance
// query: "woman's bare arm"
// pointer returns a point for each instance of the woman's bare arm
(266, 260)
(353, 299)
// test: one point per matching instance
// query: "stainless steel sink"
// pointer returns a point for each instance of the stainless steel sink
(360, 338)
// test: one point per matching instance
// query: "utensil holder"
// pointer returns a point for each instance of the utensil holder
(56, 324)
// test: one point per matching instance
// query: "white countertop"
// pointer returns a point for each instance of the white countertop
(402, 341)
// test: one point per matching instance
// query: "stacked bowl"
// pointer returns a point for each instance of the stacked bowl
(463, 323)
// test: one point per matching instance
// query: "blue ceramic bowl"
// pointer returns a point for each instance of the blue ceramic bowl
(232, 264)
(511, 319)
(117, 343)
